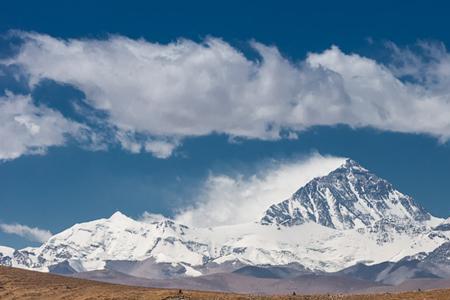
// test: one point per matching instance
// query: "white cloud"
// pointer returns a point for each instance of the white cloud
(149, 217)
(30, 233)
(26, 128)
(156, 94)
(376, 98)
(225, 200)
(160, 149)
(426, 62)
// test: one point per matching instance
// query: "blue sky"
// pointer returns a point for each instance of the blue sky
(93, 116)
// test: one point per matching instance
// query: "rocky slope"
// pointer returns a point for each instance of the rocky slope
(349, 197)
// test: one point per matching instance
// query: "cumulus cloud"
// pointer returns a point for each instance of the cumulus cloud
(33, 234)
(157, 94)
(160, 149)
(225, 200)
(29, 129)
(376, 98)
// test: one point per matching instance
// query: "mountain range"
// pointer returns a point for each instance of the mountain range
(349, 227)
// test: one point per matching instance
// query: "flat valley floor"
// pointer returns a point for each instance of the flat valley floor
(22, 284)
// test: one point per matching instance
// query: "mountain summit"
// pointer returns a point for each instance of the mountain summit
(348, 197)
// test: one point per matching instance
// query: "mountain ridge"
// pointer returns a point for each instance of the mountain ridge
(347, 217)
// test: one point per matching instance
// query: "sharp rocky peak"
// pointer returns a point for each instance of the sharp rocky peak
(350, 164)
(348, 197)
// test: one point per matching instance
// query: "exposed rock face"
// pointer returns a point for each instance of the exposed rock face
(346, 198)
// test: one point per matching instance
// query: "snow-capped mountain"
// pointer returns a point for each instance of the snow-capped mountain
(87, 246)
(333, 222)
(349, 197)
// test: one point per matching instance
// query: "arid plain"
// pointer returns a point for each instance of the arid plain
(22, 284)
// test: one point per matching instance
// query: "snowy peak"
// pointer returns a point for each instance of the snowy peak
(88, 245)
(348, 197)
(352, 165)
(118, 216)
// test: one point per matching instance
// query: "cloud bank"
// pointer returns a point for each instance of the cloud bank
(29, 129)
(155, 95)
(33, 234)
(226, 200)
